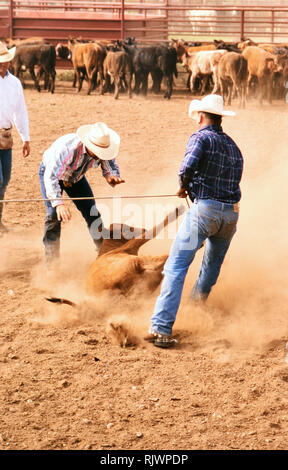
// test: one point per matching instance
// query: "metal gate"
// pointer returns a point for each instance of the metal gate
(57, 19)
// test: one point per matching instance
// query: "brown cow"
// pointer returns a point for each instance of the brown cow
(232, 74)
(274, 49)
(245, 43)
(32, 41)
(118, 266)
(118, 65)
(41, 54)
(88, 58)
(262, 65)
(182, 49)
(280, 78)
(268, 47)
(28, 41)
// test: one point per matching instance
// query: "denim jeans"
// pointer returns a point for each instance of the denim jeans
(5, 173)
(52, 226)
(208, 220)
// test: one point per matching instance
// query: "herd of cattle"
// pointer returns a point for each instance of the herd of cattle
(232, 69)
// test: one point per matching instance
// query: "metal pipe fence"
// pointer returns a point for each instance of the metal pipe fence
(149, 21)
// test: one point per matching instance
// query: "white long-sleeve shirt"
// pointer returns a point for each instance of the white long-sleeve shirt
(13, 109)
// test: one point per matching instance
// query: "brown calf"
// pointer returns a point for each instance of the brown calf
(118, 65)
(119, 267)
(87, 58)
(232, 75)
(262, 65)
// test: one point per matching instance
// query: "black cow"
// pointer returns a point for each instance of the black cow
(43, 55)
(231, 47)
(158, 60)
(63, 51)
(130, 41)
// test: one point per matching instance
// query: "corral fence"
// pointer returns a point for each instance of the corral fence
(57, 19)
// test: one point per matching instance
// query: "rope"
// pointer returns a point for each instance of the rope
(89, 198)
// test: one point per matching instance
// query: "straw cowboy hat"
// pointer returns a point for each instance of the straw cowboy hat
(212, 104)
(6, 55)
(100, 140)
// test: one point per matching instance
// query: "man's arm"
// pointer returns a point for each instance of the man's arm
(55, 160)
(111, 173)
(194, 151)
(21, 121)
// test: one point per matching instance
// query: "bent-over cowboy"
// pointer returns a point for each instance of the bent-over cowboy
(63, 168)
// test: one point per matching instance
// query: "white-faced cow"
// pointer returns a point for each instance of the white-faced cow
(203, 64)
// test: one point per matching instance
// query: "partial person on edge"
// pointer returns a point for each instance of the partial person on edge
(210, 174)
(63, 168)
(12, 112)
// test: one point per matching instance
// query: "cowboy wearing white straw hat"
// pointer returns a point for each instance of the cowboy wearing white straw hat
(210, 175)
(63, 168)
(12, 111)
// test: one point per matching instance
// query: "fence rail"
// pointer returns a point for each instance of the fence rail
(56, 19)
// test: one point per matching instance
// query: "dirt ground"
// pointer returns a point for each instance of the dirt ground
(66, 383)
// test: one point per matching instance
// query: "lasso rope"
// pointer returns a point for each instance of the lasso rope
(87, 198)
(5, 201)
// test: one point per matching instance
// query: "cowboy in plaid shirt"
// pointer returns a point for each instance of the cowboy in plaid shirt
(210, 174)
(212, 166)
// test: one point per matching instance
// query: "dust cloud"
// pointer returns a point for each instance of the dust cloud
(248, 305)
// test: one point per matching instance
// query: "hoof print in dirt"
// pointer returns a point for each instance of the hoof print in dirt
(120, 332)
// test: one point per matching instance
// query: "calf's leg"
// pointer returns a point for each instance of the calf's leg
(32, 73)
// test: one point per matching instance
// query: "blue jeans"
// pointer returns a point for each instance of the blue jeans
(5, 174)
(52, 226)
(208, 220)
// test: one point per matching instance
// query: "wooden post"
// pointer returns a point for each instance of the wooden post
(11, 5)
(272, 26)
(122, 19)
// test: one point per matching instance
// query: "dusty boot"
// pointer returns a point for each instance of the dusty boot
(52, 255)
(160, 340)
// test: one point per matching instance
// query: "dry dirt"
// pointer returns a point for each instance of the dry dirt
(65, 381)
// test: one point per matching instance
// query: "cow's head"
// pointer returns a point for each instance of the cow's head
(281, 62)
(272, 66)
(63, 52)
(131, 41)
(245, 43)
(180, 49)
(112, 47)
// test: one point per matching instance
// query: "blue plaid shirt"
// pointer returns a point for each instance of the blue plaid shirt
(212, 166)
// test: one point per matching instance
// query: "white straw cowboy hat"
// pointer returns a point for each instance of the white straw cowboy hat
(6, 55)
(212, 104)
(100, 140)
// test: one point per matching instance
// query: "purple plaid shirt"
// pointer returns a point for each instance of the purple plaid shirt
(212, 166)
